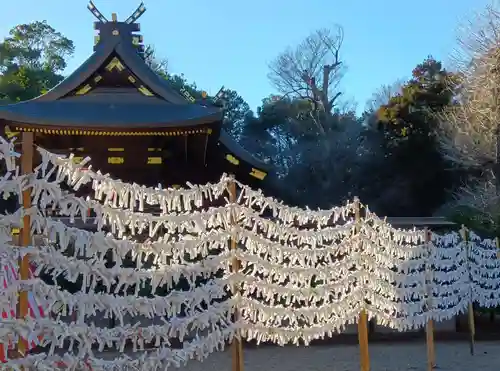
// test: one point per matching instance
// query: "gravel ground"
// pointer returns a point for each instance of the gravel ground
(384, 357)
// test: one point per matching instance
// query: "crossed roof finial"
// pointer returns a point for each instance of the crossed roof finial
(137, 14)
(134, 17)
(96, 12)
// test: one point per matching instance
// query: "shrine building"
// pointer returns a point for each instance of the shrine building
(132, 122)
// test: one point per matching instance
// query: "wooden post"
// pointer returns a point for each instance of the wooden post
(429, 327)
(470, 312)
(363, 340)
(236, 346)
(27, 152)
(429, 335)
(363, 316)
(493, 310)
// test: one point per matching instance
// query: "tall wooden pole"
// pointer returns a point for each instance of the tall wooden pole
(470, 310)
(496, 167)
(363, 316)
(236, 346)
(429, 327)
(27, 152)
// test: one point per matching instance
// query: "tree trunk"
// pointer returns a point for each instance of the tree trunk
(496, 169)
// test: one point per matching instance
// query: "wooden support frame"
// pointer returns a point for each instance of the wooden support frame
(363, 341)
(27, 154)
(363, 316)
(470, 307)
(236, 345)
(429, 326)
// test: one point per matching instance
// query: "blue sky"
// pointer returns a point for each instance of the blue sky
(230, 43)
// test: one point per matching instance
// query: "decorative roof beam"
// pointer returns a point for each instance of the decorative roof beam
(137, 14)
(96, 13)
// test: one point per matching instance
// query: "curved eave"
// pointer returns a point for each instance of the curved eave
(94, 115)
(235, 149)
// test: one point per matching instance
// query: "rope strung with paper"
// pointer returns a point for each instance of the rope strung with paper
(125, 195)
(8, 280)
(485, 271)
(305, 274)
(178, 247)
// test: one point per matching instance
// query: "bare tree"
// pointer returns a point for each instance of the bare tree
(470, 129)
(383, 95)
(312, 71)
(470, 126)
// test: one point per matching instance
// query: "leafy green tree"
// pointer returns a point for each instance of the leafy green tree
(409, 124)
(237, 111)
(337, 166)
(32, 59)
(410, 115)
(236, 108)
(312, 168)
(382, 96)
(270, 134)
(157, 64)
(238, 115)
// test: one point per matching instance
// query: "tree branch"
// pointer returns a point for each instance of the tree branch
(331, 101)
(311, 70)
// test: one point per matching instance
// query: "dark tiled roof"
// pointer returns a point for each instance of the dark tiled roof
(115, 114)
(114, 110)
(129, 56)
(168, 109)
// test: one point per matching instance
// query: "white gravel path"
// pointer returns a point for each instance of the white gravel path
(384, 357)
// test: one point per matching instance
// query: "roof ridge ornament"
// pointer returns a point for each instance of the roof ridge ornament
(137, 14)
(117, 31)
(96, 13)
(131, 19)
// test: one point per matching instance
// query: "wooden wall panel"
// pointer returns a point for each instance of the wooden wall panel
(145, 160)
